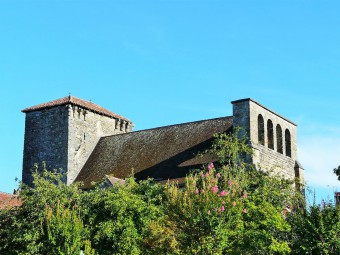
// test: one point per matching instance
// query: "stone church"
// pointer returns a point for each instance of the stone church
(89, 143)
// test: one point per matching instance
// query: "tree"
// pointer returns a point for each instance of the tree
(315, 229)
(42, 222)
(337, 172)
(118, 217)
(58, 219)
(226, 209)
(66, 231)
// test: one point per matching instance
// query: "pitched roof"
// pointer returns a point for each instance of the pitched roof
(114, 180)
(75, 101)
(8, 201)
(161, 153)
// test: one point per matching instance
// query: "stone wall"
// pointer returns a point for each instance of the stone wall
(46, 139)
(85, 129)
(64, 136)
(269, 160)
(274, 142)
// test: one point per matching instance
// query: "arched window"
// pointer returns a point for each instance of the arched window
(260, 129)
(279, 144)
(288, 143)
(270, 133)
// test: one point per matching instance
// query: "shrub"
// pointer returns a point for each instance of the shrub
(231, 209)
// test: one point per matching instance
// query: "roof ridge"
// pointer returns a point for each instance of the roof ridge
(76, 101)
(171, 125)
(8, 194)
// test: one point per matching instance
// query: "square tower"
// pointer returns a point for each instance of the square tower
(62, 133)
(272, 137)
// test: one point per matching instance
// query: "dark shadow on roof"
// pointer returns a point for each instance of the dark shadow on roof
(168, 152)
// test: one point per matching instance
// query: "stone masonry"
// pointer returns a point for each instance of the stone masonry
(68, 135)
(46, 140)
(272, 137)
(63, 133)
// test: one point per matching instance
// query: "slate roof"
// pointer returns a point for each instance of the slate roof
(163, 153)
(8, 201)
(114, 180)
(75, 101)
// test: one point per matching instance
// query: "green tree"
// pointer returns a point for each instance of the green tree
(337, 172)
(118, 217)
(26, 229)
(58, 219)
(227, 209)
(316, 229)
(66, 231)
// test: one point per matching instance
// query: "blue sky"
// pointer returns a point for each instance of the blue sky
(167, 62)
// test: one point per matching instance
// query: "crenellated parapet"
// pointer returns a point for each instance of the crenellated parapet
(123, 126)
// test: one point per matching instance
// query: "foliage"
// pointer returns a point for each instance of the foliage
(23, 230)
(65, 230)
(316, 229)
(226, 208)
(59, 219)
(231, 210)
(337, 172)
(118, 217)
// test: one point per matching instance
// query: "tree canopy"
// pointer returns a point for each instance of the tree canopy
(227, 207)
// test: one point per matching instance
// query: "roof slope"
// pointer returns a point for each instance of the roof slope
(162, 153)
(8, 201)
(75, 101)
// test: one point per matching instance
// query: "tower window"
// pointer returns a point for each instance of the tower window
(288, 143)
(279, 139)
(270, 133)
(260, 129)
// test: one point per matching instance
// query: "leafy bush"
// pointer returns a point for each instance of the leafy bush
(232, 209)
(226, 208)
(31, 228)
(118, 217)
(316, 229)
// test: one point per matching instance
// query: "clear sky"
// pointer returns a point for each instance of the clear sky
(166, 62)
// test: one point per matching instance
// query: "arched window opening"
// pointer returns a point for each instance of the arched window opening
(288, 143)
(279, 139)
(260, 129)
(270, 133)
